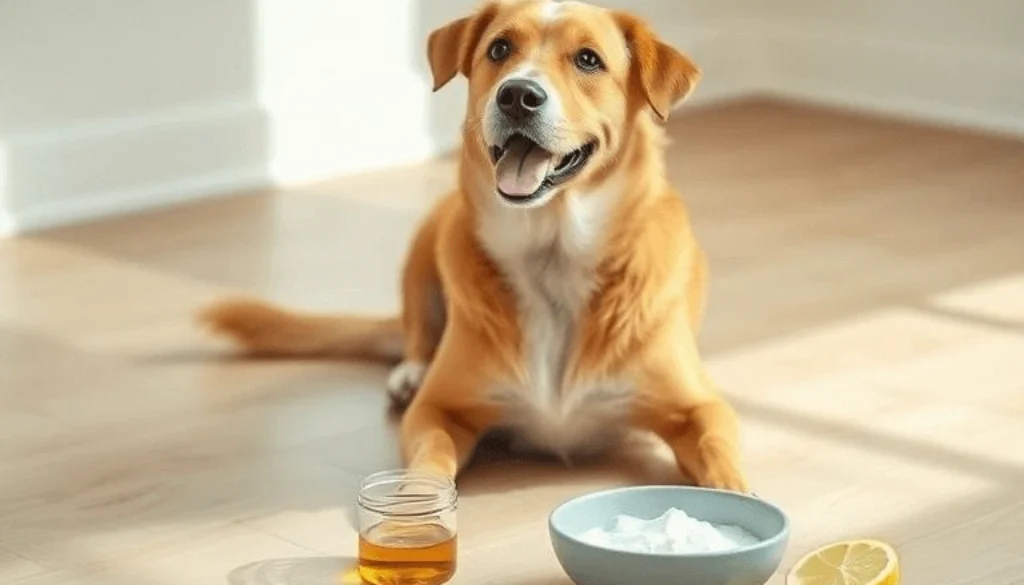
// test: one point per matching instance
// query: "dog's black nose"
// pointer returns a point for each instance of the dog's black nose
(521, 98)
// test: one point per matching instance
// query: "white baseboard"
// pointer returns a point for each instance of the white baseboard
(150, 197)
(952, 86)
(109, 168)
(7, 228)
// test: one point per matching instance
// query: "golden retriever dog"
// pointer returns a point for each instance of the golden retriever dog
(556, 293)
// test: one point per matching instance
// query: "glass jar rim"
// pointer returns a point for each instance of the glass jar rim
(441, 497)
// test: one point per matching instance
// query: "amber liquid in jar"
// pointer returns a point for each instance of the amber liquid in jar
(407, 533)
(414, 555)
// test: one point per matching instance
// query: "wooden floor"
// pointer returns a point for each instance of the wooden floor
(867, 317)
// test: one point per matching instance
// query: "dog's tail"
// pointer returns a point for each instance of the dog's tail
(260, 328)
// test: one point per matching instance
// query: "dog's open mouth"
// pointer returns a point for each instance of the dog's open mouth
(525, 171)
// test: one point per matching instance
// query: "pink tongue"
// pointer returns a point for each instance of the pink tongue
(522, 167)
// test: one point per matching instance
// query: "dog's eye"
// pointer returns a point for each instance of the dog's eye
(499, 50)
(587, 60)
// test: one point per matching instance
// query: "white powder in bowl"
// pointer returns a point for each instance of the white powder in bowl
(674, 532)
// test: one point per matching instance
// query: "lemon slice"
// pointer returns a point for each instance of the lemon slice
(851, 562)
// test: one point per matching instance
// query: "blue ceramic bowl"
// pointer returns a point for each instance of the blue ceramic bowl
(587, 564)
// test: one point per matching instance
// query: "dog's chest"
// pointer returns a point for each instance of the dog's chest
(550, 267)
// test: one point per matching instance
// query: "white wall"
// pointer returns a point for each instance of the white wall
(111, 106)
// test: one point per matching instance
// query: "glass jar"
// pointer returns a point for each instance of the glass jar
(407, 528)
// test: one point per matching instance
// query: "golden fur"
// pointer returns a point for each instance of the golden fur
(567, 322)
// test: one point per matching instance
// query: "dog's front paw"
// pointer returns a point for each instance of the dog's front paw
(724, 476)
(404, 381)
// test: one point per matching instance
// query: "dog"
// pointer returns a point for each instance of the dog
(557, 292)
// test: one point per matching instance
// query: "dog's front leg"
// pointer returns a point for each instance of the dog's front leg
(704, 439)
(678, 401)
(448, 415)
(438, 440)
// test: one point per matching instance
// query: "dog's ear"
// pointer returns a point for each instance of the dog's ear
(664, 75)
(450, 48)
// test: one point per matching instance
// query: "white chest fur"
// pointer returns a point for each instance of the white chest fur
(549, 259)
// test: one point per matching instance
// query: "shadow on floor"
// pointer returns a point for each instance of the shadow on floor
(297, 571)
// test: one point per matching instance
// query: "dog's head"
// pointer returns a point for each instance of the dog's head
(554, 87)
